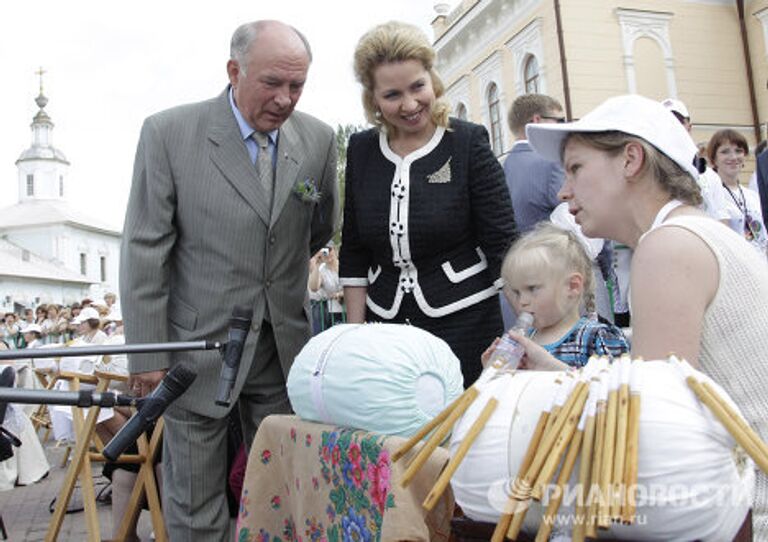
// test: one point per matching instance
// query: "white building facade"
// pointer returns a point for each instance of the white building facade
(49, 251)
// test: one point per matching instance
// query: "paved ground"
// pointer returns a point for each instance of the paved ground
(26, 515)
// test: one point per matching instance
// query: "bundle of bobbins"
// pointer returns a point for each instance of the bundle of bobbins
(594, 417)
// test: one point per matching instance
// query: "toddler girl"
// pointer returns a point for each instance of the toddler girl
(549, 274)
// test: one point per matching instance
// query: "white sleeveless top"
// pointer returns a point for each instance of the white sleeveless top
(734, 339)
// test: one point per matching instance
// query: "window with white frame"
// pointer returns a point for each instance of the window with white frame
(494, 117)
(30, 184)
(531, 73)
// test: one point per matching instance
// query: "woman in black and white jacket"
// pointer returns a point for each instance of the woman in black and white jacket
(427, 215)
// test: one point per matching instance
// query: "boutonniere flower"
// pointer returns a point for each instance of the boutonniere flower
(307, 191)
(442, 175)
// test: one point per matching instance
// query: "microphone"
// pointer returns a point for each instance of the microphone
(176, 382)
(239, 326)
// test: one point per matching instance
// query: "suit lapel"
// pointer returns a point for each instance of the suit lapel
(287, 166)
(229, 154)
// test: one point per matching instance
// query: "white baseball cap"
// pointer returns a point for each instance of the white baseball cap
(631, 114)
(87, 313)
(676, 106)
(33, 327)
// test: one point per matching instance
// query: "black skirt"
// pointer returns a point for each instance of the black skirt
(468, 331)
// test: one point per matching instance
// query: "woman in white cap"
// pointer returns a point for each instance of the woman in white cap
(88, 322)
(696, 288)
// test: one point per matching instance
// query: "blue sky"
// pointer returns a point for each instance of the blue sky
(109, 65)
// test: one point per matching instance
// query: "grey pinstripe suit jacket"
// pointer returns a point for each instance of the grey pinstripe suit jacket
(198, 238)
(533, 185)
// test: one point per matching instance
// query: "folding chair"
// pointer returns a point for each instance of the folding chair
(80, 466)
(41, 417)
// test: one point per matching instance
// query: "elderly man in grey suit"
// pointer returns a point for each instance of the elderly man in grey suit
(230, 198)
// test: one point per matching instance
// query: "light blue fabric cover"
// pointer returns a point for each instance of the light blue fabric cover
(365, 376)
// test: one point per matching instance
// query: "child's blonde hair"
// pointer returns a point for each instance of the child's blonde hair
(553, 252)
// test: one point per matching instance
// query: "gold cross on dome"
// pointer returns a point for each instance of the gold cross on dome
(40, 73)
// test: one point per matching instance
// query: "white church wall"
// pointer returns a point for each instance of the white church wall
(31, 293)
(48, 179)
(65, 244)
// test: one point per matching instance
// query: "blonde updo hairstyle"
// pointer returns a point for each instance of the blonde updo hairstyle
(396, 42)
(673, 179)
(551, 252)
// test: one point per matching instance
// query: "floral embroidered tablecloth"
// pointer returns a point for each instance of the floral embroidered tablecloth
(310, 482)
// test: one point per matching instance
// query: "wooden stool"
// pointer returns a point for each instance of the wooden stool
(80, 466)
(41, 417)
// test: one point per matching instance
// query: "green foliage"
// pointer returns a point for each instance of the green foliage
(342, 139)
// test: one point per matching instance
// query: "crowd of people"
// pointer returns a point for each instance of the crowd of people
(58, 324)
(434, 229)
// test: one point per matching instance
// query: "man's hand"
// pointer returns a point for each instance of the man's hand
(142, 384)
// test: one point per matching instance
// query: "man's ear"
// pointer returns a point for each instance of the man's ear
(233, 71)
(634, 158)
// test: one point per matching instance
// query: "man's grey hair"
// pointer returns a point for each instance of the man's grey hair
(246, 34)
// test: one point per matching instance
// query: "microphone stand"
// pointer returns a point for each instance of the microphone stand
(78, 458)
(145, 348)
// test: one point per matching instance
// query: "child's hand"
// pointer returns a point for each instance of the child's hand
(486, 356)
(536, 358)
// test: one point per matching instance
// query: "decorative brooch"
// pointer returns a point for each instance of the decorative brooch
(442, 175)
(307, 191)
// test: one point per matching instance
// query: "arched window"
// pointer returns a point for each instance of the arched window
(461, 111)
(494, 116)
(531, 75)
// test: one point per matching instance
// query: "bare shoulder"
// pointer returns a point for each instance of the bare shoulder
(675, 260)
(675, 244)
(673, 280)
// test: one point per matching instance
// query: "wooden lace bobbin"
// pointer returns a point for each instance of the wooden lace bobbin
(540, 457)
(744, 435)
(503, 525)
(545, 528)
(631, 463)
(445, 477)
(593, 491)
(431, 425)
(622, 423)
(609, 447)
(573, 416)
(585, 467)
(437, 437)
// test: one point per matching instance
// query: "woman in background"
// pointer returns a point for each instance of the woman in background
(726, 152)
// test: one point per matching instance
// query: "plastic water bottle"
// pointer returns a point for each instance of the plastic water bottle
(509, 352)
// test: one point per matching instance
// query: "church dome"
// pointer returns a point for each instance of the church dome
(42, 147)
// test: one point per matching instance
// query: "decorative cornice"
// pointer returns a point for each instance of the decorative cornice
(458, 92)
(762, 16)
(475, 30)
(636, 23)
(528, 42)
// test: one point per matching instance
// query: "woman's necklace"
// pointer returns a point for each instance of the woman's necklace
(742, 205)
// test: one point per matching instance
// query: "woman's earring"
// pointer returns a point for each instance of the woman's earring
(377, 114)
